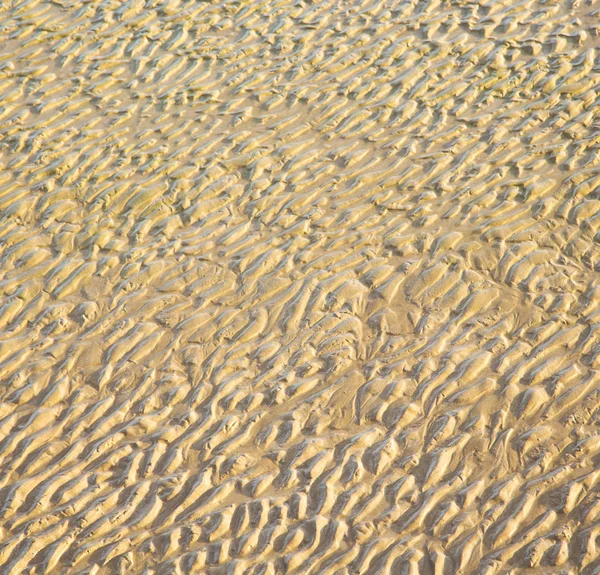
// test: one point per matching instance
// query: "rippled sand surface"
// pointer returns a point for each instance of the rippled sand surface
(299, 287)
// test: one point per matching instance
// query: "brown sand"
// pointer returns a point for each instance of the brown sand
(301, 287)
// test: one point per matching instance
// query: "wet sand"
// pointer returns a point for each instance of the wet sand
(299, 287)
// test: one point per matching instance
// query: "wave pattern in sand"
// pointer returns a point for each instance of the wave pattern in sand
(299, 287)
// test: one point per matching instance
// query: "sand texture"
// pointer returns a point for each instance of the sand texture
(299, 287)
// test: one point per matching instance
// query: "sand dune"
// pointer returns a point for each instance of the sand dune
(299, 287)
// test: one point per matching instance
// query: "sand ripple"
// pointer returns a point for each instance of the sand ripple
(299, 287)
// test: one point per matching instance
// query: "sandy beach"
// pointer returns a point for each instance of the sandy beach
(299, 287)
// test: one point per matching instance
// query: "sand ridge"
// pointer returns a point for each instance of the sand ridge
(299, 287)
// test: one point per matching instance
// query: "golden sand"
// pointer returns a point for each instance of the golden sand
(299, 287)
